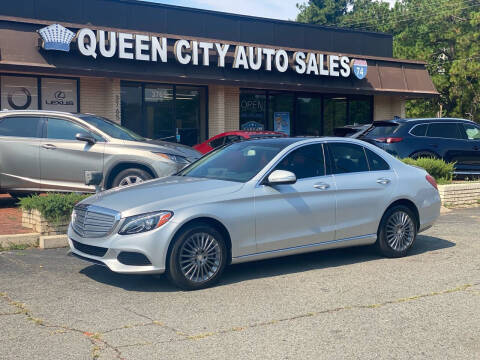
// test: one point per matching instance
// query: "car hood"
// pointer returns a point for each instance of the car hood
(167, 147)
(169, 193)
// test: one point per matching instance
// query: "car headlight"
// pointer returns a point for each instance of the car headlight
(175, 158)
(145, 222)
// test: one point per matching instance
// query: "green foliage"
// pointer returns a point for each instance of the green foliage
(444, 33)
(438, 168)
(53, 207)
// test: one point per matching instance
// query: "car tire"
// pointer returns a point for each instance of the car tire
(424, 154)
(397, 232)
(130, 176)
(197, 258)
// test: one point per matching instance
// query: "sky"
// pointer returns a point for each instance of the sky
(275, 9)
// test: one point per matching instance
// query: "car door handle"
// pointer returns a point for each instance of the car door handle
(383, 181)
(49, 146)
(433, 145)
(476, 148)
(321, 186)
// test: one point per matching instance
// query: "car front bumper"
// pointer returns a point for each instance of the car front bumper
(152, 245)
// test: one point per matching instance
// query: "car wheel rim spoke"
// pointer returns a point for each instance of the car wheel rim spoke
(400, 231)
(200, 257)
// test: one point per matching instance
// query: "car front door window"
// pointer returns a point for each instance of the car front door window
(63, 129)
(306, 162)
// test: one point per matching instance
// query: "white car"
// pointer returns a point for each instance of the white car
(254, 200)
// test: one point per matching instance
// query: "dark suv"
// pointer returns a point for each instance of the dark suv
(454, 140)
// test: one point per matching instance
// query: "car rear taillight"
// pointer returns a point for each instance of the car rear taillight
(389, 140)
(432, 181)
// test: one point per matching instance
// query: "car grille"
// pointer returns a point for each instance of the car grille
(93, 221)
(89, 249)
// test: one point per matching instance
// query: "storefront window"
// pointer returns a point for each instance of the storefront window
(280, 111)
(309, 116)
(360, 111)
(19, 93)
(302, 114)
(334, 114)
(23, 92)
(165, 112)
(59, 94)
(253, 110)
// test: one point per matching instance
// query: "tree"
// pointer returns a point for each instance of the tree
(444, 33)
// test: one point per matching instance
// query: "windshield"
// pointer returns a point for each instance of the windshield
(112, 129)
(239, 161)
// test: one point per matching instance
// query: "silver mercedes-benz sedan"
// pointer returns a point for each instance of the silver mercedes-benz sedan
(254, 200)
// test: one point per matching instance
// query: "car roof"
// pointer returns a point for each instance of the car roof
(414, 120)
(246, 132)
(6, 111)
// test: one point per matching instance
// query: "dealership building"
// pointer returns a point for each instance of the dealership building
(180, 73)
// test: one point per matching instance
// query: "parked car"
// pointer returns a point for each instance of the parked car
(253, 200)
(353, 131)
(232, 136)
(453, 140)
(51, 151)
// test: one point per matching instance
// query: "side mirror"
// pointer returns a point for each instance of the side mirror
(281, 177)
(86, 137)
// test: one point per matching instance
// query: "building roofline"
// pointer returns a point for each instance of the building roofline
(250, 17)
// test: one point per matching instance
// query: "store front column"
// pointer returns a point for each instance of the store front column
(387, 107)
(101, 97)
(223, 109)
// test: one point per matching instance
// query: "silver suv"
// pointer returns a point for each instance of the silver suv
(51, 151)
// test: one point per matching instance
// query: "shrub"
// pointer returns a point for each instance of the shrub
(54, 207)
(438, 168)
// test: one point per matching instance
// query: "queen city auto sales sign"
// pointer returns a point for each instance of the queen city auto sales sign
(110, 44)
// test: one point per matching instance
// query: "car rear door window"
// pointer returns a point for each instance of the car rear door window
(217, 142)
(419, 130)
(347, 158)
(375, 162)
(21, 126)
(63, 129)
(444, 130)
(305, 162)
(472, 132)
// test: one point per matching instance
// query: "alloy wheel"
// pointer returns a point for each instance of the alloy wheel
(200, 257)
(130, 180)
(400, 231)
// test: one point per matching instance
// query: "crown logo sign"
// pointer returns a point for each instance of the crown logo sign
(56, 37)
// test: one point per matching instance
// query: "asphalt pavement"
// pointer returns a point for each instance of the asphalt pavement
(339, 304)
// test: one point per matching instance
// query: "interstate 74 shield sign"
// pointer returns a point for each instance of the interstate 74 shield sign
(360, 68)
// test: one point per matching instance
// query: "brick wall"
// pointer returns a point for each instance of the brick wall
(386, 107)
(223, 109)
(100, 96)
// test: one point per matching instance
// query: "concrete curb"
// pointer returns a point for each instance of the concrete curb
(34, 240)
(53, 241)
(30, 239)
